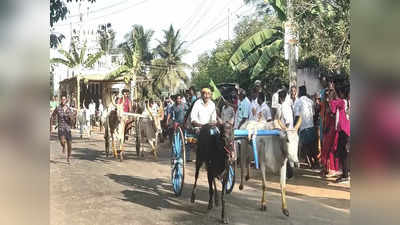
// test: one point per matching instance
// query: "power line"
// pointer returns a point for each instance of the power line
(202, 16)
(217, 14)
(101, 9)
(109, 14)
(215, 27)
(192, 16)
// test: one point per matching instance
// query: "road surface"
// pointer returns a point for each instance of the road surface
(96, 190)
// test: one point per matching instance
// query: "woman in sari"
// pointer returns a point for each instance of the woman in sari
(329, 146)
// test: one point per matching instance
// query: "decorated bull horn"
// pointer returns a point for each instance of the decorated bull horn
(297, 126)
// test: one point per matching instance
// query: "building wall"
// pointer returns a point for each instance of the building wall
(309, 78)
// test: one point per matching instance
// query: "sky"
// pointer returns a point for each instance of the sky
(202, 22)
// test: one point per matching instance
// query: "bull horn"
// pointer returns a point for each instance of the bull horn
(113, 101)
(161, 112)
(297, 126)
(148, 109)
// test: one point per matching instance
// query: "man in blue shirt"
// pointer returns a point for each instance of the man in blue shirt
(177, 114)
(178, 110)
(243, 111)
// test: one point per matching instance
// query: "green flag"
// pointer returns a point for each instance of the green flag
(216, 94)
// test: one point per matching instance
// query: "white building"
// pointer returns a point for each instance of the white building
(82, 32)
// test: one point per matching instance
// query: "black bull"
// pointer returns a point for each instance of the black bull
(214, 151)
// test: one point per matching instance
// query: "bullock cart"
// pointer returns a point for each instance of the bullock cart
(182, 139)
(241, 134)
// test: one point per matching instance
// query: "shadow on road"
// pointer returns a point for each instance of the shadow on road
(151, 193)
(300, 180)
(242, 208)
(88, 154)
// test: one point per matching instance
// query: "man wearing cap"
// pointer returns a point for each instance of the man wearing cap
(203, 111)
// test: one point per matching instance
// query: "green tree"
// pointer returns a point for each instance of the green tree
(324, 33)
(76, 58)
(59, 10)
(260, 51)
(56, 39)
(137, 54)
(215, 63)
(170, 52)
(214, 66)
(323, 27)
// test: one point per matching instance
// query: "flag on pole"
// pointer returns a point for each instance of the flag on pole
(216, 93)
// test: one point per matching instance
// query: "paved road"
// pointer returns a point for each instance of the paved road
(95, 190)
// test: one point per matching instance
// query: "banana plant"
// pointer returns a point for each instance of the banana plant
(259, 50)
(76, 58)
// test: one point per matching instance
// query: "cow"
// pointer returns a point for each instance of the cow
(114, 127)
(150, 128)
(215, 150)
(273, 153)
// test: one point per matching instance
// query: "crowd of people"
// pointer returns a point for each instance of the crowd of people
(325, 126)
(324, 117)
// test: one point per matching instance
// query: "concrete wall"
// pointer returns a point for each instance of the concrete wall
(310, 78)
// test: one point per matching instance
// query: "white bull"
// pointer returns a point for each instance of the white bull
(245, 149)
(273, 154)
(150, 128)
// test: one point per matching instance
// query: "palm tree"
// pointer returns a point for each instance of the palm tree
(76, 59)
(170, 52)
(106, 37)
(136, 53)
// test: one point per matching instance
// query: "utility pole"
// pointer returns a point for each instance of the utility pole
(228, 24)
(292, 44)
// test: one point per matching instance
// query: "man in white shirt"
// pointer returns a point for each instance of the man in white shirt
(293, 96)
(304, 107)
(304, 110)
(203, 111)
(261, 109)
(92, 112)
(253, 103)
(275, 101)
(284, 113)
(101, 111)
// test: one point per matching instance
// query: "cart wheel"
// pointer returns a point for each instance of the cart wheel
(231, 178)
(137, 128)
(178, 161)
